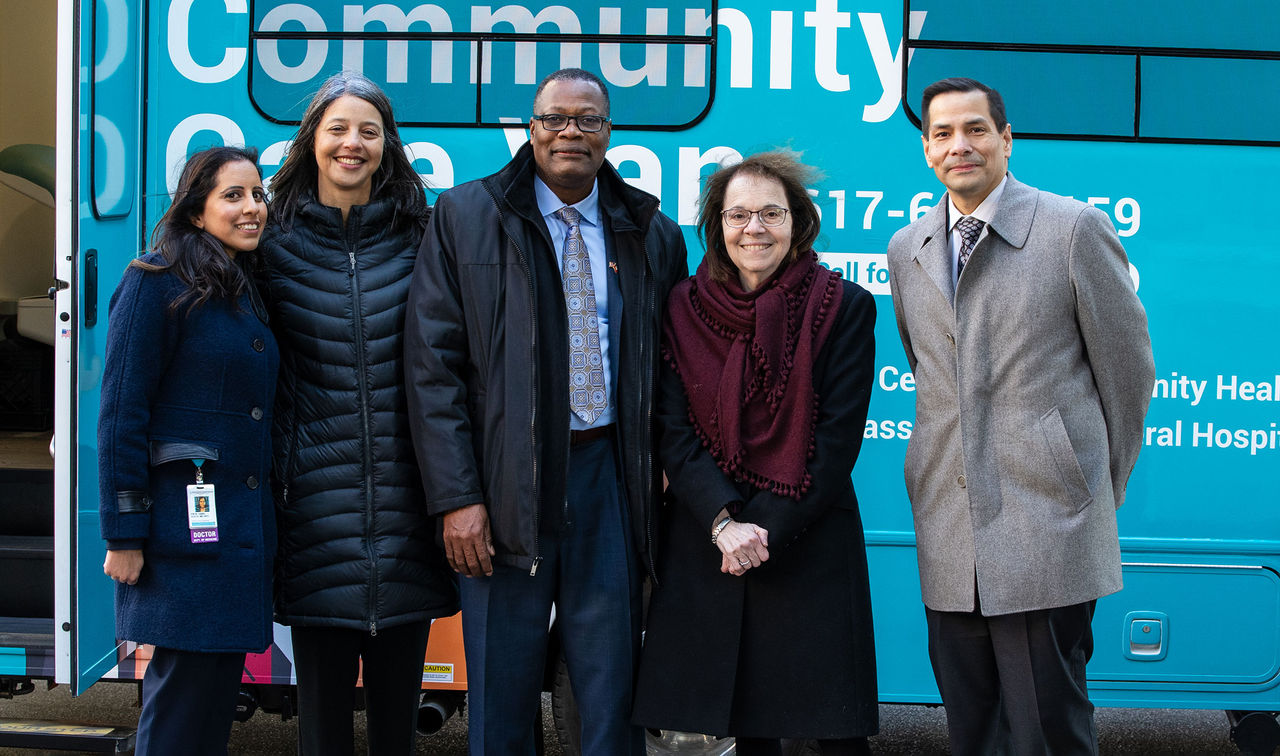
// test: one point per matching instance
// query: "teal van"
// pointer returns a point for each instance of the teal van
(1162, 115)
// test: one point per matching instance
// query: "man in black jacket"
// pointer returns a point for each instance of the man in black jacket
(531, 349)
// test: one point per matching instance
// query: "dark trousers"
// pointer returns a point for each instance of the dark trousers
(1015, 683)
(188, 702)
(588, 570)
(327, 661)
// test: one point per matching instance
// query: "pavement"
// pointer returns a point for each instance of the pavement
(916, 730)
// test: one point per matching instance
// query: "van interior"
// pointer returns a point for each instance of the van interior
(28, 63)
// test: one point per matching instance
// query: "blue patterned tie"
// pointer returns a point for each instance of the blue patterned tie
(586, 364)
(970, 229)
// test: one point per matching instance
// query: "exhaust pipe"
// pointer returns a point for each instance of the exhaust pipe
(246, 704)
(434, 710)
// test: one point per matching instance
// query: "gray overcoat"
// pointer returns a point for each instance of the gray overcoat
(1033, 375)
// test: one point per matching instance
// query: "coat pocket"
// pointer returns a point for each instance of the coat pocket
(170, 451)
(172, 470)
(1065, 459)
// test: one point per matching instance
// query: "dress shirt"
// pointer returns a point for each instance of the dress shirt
(984, 212)
(593, 236)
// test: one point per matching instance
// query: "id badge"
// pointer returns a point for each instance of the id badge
(202, 513)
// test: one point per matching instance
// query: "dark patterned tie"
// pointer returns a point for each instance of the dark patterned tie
(586, 364)
(970, 229)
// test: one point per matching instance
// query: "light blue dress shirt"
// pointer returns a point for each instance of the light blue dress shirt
(593, 236)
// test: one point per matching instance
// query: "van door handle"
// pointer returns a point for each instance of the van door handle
(90, 288)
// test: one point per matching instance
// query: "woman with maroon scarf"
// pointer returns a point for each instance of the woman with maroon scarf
(760, 625)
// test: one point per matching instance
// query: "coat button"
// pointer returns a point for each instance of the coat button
(251, 482)
(256, 413)
(259, 345)
(961, 481)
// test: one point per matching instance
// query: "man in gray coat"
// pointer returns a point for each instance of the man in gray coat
(1033, 374)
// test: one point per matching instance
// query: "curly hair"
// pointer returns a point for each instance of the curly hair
(783, 166)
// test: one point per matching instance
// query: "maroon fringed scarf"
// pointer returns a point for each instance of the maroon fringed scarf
(746, 361)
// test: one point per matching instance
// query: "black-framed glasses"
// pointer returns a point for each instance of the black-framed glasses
(738, 217)
(559, 122)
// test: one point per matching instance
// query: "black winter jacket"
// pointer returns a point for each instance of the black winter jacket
(487, 353)
(357, 548)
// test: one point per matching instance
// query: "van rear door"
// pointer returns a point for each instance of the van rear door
(99, 229)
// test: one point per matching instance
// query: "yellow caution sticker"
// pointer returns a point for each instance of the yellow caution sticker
(437, 673)
(52, 728)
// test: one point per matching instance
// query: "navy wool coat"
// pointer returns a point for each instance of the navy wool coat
(179, 386)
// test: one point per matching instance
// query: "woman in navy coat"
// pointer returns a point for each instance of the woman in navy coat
(186, 400)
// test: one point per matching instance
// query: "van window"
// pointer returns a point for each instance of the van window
(1112, 70)
(455, 64)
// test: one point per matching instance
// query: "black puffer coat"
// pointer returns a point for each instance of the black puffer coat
(357, 548)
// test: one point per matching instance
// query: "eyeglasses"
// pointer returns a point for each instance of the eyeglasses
(559, 122)
(737, 217)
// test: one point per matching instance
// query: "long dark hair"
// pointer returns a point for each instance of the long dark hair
(783, 166)
(394, 179)
(194, 255)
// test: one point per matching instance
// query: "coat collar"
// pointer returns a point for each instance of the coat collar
(628, 208)
(1012, 223)
(378, 212)
(934, 254)
(1017, 209)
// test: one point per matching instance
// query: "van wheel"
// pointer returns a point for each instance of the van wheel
(564, 710)
(1254, 732)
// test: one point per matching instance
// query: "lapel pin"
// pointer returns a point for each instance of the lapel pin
(613, 266)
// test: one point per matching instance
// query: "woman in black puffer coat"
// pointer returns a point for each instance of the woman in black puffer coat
(358, 573)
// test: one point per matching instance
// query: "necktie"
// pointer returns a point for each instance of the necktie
(970, 229)
(586, 364)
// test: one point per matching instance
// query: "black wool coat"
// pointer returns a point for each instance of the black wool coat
(488, 353)
(357, 548)
(787, 649)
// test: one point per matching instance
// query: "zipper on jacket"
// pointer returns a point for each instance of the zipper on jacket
(293, 441)
(649, 285)
(362, 380)
(373, 629)
(533, 387)
(647, 479)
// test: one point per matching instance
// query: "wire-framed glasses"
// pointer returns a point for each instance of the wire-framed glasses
(737, 217)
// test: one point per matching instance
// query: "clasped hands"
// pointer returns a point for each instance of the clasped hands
(742, 545)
